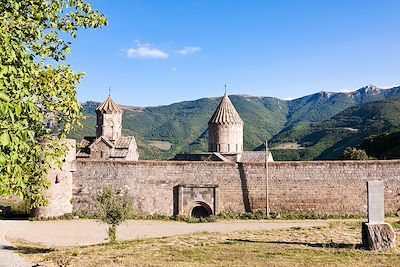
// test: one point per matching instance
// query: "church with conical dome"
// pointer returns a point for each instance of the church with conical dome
(108, 144)
(225, 129)
(225, 138)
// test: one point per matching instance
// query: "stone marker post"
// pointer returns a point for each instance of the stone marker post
(376, 234)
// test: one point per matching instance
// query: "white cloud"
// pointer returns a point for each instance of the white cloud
(188, 50)
(345, 90)
(145, 51)
(388, 86)
(173, 69)
(289, 98)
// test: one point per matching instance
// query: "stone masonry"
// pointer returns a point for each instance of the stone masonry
(336, 187)
(59, 194)
(235, 182)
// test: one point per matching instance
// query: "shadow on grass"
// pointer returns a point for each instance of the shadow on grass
(27, 249)
(314, 245)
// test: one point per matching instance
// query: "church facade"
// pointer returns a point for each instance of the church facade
(108, 144)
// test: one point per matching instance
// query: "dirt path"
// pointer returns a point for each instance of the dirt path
(88, 232)
(8, 257)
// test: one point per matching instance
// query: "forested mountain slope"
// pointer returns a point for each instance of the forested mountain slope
(163, 131)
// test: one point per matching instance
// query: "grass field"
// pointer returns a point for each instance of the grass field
(162, 145)
(335, 245)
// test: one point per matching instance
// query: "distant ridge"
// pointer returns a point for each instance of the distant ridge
(328, 139)
(184, 124)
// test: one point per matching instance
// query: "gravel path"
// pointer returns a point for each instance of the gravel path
(88, 232)
(8, 257)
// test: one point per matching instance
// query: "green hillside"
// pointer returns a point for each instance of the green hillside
(385, 146)
(329, 138)
(309, 110)
(313, 121)
(184, 124)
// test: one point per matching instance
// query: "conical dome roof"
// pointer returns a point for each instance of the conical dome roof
(225, 113)
(109, 106)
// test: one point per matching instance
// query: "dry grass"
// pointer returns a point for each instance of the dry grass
(338, 244)
(294, 146)
(162, 145)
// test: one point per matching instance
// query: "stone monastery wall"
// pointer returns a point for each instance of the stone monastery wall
(167, 187)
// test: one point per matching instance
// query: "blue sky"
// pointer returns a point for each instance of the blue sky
(161, 52)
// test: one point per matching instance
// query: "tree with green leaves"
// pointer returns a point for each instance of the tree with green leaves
(35, 88)
(352, 153)
(113, 209)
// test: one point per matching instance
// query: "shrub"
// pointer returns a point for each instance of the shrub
(189, 219)
(352, 153)
(113, 209)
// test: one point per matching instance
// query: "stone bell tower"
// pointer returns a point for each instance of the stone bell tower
(109, 120)
(225, 129)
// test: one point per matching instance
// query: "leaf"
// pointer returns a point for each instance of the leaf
(2, 159)
(18, 110)
(5, 139)
(4, 97)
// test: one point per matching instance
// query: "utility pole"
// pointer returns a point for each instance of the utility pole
(266, 180)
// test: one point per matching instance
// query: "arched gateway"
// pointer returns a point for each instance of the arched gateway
(196, 200)
(201, 210)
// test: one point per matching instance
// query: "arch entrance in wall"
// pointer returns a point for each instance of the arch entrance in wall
(196, 200)
(201, 210)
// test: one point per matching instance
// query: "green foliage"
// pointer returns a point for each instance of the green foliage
(113, 209)
(258, 215)
(287, 154)
(395, 225)
(307, 215)
(352, 153)
(328, 139)
(385, 146)
(190, 219)
(67, 216)
(355, 117)
(33, 91)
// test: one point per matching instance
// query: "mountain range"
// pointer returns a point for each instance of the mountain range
(317, 126)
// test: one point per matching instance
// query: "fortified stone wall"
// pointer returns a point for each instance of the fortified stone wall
(59, 194)
(323, 187)
(332, 187)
